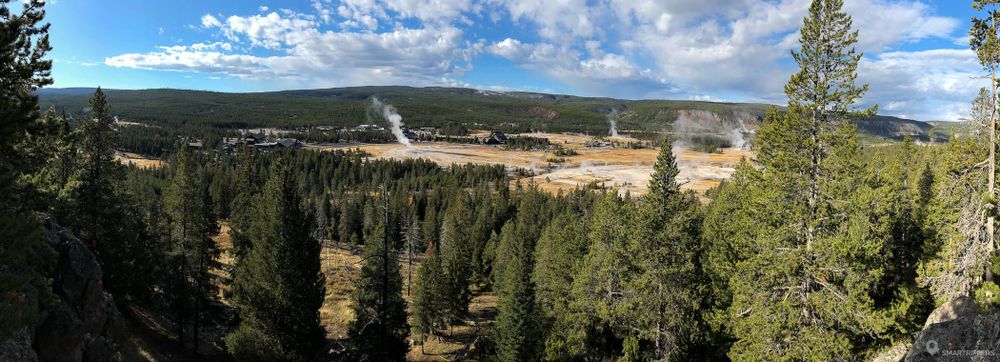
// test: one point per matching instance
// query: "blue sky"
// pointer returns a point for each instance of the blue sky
(917, 60)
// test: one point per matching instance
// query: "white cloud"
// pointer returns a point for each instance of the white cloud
(728, 49)
(930, 84)
(309, 56)
(209, 21)
(598, 74)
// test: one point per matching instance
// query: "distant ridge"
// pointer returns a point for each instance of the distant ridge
(428, 106)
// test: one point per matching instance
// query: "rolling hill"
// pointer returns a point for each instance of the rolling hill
(431, 106)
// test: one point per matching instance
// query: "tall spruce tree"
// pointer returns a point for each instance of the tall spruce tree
(104, 214)
(24, 257)
(985, 40)
(559, 254)
(667, 287)
(456, 258)
(517, 331)
(193, 250)
(243, 204)
(428, 299)
(808, 290)
(280, 289)
(379, 331)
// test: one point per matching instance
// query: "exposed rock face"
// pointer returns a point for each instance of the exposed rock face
(84, 323)
(957, 331)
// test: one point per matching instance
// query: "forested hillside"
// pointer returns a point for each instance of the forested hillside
(423, 107)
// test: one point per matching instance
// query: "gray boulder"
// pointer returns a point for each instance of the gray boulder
(958, 331)
(83, 324)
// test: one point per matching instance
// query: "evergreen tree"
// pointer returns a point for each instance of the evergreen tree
(958, 247)
(349, 223)
(379, 330)
(103, 213)
(24, 258)
(49, 151)
(559, 254)
(984, 39)
(194, 251)
(428, 298)
(820, 251)
(243, 204)
(280, 289)
(456, 258)
(667, 285)
(516, 332)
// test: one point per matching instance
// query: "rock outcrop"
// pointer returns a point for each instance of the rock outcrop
(84, 324)
(958, 331)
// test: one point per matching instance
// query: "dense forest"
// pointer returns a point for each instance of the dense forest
(816, 249)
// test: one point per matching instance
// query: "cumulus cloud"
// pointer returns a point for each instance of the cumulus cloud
(315, 56)
(930, 84)
(735, 50)
(597, 74)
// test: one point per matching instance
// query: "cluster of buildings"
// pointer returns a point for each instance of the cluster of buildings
(494, 138)
(259, 140)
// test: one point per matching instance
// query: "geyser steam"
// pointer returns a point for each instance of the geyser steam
(388, 112)
(613, 121)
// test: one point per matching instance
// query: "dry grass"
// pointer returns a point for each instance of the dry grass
(138, 160)
(341, 264)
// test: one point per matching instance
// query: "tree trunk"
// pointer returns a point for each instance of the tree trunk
(988, 274)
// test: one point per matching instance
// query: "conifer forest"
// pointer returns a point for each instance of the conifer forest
(137, 226)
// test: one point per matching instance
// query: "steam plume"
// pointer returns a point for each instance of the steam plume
(613, 121)
(388, 112)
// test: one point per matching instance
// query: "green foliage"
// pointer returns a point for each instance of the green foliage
(983, 34)
(812, 256)
(24, 258)
(516, 331)
(428, 299)
(456, 258)
(955, 254)
(987, 295)
(379, 331)
(559, 254)
(193, 251)
(279, 289)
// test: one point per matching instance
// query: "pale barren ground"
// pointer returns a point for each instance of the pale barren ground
(622, 169)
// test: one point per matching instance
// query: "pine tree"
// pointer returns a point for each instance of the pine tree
(984, 39)
(559, 253)
(193, 249)
(456, 258)
(379, 331)
(959, 243)
(49, 150)
(820, 251)
(516, 332)
(667, 292)
(428, 298)
(243, 203)
(102, 212)
(280, 289)
(24, 258)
